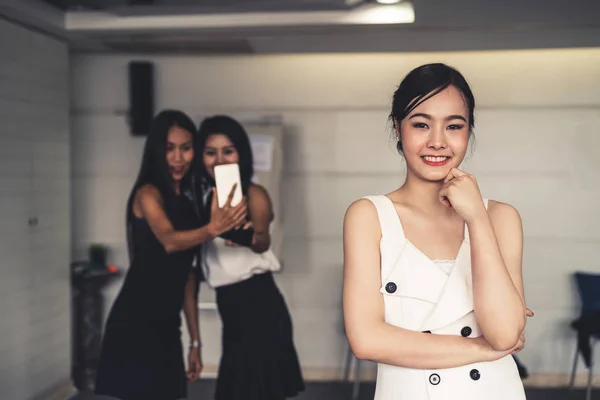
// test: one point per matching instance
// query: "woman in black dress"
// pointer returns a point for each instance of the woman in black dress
(142, 357)
(258, 360)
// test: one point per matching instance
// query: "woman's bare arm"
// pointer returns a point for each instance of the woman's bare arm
(190, 307)
(261, 214)
(150, 203)
(496, 258)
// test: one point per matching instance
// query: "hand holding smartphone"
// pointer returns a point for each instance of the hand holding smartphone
(226, 176)
(228, 210)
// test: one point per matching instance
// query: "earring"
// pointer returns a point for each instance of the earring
(397, 138)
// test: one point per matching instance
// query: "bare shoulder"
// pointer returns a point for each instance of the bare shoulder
(148, 201)
(148, 194)
(258, 197)
(361, 207)
(259, 202)
(503, 215)
(257, 190)
(148, 190)
(362, 214)
(499, 210)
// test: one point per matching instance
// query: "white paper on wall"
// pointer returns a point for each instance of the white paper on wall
(262, 150)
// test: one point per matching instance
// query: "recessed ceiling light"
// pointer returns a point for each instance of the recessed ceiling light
(401, 13)
(389, 1)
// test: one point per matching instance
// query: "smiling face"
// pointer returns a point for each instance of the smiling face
(435, 135)
(218, 150)
(180, 152)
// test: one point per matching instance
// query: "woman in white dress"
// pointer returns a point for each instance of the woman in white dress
(433, 288)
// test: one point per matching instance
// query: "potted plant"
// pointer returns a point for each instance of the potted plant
(98, 254)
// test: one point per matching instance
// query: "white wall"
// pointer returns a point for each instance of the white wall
(537, 121)
(34, 183)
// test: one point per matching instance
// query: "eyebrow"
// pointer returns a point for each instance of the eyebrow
(180, 144)
(429, 117)
(224, 147)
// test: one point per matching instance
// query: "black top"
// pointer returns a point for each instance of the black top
(154, 286)
(243, 237)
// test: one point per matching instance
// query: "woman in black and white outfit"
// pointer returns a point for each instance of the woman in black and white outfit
(259, 361)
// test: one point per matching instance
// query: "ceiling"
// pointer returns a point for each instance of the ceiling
(300, 26)
(146, 6)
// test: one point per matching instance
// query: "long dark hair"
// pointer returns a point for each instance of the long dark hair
(223, 124)
(154, 169)
(423, 83)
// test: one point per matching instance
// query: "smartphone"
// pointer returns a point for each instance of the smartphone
(227, 175)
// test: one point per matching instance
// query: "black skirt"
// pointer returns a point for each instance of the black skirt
(141, 361)
(259, 361)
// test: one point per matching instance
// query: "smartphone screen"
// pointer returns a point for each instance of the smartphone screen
(226, 176)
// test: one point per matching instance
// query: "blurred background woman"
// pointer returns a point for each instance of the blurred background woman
(259, 361)
(141, 351)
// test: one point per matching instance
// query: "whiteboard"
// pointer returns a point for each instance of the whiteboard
(267, 149)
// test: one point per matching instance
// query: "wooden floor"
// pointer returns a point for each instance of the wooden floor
(203, 390)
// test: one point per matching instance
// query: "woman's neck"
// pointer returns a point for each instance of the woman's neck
(423, 194)
(177, 186)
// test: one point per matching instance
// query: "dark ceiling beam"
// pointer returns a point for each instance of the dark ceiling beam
(141, 2)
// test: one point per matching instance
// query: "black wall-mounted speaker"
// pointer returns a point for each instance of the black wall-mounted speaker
(141, 97)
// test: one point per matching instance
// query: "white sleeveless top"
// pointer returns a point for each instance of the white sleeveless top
(424, 295)
(225, 265)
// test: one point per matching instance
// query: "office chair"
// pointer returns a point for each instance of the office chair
(587, 325)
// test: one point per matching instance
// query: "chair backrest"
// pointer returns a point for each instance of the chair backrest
(588, 285)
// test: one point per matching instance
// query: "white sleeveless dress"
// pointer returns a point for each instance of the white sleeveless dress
(423, 295)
